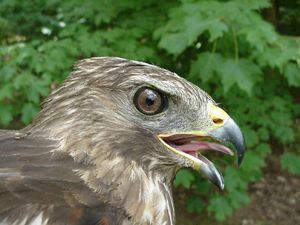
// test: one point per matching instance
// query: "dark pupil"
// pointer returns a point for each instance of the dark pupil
(150, 99)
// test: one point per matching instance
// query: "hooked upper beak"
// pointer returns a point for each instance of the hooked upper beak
(190, 144)
(227, 131)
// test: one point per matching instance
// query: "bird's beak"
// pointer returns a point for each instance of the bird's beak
(190, 144)
(227, 131)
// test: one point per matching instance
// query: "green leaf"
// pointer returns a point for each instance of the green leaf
(195, 205)
(205, 66)
(174, 43)
(252, 158)
(7, 72)
(29, 110)
(5, 114)
(217, 30)
(278, 57)
(194, 26)
(292, 73)
(221, 207)
(290, 162)
(233, 179)
(185, 178)
(263, 134)
(6, 91)
(238, 198)
(203, 187)
(284, 134)
(251, 137)
(263, 149)
(242, 72)
(21, 80)
(259, 34)
(255, 4)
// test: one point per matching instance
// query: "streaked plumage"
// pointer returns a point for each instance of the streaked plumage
(90, 157)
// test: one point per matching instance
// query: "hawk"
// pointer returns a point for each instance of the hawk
(106, 146)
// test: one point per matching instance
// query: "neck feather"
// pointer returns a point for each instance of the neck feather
(146, 197)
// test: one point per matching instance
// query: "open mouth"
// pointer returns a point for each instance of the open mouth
(192, 146)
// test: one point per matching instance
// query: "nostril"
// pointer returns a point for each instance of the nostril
(218, 116)
(218, 121)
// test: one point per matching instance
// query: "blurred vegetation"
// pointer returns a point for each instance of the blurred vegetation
(230, 48)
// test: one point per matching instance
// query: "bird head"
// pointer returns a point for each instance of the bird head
(141, 113)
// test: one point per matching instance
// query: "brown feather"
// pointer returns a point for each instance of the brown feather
(90, 157)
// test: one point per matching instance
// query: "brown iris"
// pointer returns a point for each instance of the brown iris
(150, 101)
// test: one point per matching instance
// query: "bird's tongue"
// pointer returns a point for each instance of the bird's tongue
(191, 144)
(193, 147)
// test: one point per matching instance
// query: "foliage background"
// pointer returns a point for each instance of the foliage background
(240, 51)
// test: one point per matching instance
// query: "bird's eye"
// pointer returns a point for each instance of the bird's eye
(150, 101)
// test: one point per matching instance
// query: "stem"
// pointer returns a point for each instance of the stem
(236, 46)
(214, 47)
(298, 58)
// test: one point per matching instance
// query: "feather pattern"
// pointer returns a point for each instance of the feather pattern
(39, 186)
(90, 157)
